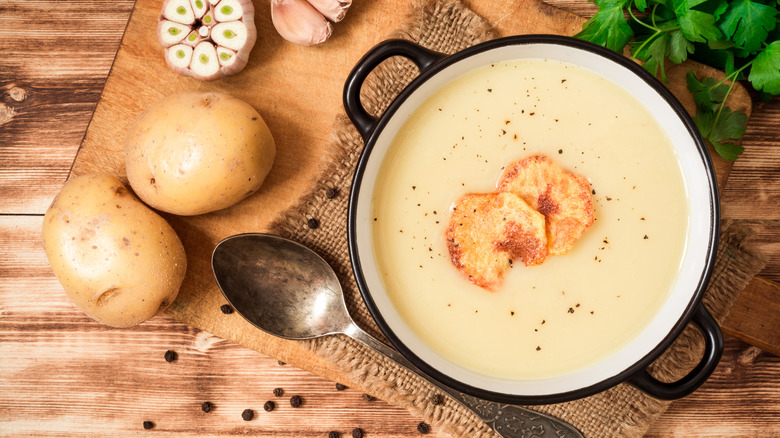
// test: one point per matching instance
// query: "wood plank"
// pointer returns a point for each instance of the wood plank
(55, 59)
(755, 316)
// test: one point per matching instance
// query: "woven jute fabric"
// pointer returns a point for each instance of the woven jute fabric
(447, 26)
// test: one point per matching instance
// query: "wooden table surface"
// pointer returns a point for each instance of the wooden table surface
(61, 374)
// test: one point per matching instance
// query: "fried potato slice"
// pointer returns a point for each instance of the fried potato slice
(563, 197)
(487, 232)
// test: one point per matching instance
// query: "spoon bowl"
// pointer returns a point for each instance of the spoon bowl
(280, 286)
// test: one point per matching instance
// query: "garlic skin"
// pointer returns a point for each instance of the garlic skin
(333, 10)
(299, 22)
(207, 39)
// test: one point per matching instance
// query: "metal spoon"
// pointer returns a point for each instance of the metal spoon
(288, 290)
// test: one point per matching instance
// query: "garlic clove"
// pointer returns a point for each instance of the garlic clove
(170, 33)
(231, 34)
(208, 18)
(333, 10)
(225, 56)
(204, 64)
(178, 57)
(179, 11)
(199, 7)
(193, 38)
(299, 22)
(228, 10)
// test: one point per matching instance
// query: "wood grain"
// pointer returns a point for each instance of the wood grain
(54, 59)
(63, 375)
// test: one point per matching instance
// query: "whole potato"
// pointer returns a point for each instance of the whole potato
(196, 152)
(119, 261)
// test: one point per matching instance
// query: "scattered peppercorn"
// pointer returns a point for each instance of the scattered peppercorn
(170, 356)
(357, 433)
(295, 401)
(281, 363)
(278, 392)
(226, 309)
(313, 223)
(368, 397)
(340, 387)
(148, 425)
(269, 406)
(423, 428)
(248, 414)
(333, 434)
(437, 399)
(331, 193)
(207, 407)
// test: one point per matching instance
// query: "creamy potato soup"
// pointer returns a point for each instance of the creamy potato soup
(573, 309)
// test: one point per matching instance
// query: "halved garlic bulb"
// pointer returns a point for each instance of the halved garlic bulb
(207, 39)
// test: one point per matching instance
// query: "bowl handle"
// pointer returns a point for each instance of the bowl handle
(713, 349)
(423, 58)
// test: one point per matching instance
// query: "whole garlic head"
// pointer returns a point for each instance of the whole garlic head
(306, 22)
(207, 39)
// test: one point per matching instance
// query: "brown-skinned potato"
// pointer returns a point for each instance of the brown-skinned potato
(118, 260)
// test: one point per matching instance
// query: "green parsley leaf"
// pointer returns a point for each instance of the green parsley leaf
(608, 27)
(640, 5)
(679, 47)
(748, 23)
(696, 25)
(652, 53)
(729, 125)
(765, 71)
(706, 94)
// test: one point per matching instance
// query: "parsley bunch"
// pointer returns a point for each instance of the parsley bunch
(741, 37)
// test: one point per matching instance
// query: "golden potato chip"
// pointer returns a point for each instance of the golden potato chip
(487, 232)
(563, 197)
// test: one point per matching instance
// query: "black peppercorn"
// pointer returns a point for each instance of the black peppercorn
(313, 223)
(331, 193)
(148, 425)
(226, 309)
(278, 392)
(437, 399)
(170, 356)
(333, 434)
(269, 406)
(281, 363)
(423, 428)
(340, 387)
(207, 407)
(357, 433)
(295, 401)
(248, 414)
(369, 398)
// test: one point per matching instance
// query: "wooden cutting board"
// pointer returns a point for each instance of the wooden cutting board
(297, 90)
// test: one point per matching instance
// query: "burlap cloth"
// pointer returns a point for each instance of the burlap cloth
(447, 26)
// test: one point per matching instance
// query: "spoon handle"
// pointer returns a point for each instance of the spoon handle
(509, 421)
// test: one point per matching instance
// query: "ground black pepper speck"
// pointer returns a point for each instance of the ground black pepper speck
(207, 407)
(170, 356)
(278, 392)
(226, 309)
(423, 428)
(248, 414)
(269, 406)
(295, 401)
(148, 425)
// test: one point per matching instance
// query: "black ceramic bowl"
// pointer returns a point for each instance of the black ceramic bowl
(683, 304)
